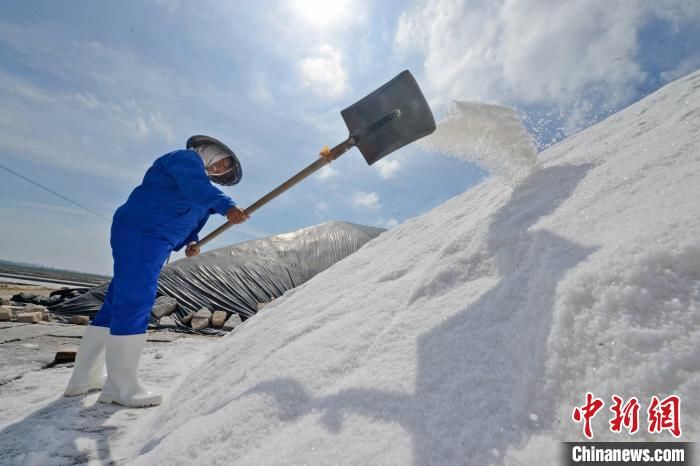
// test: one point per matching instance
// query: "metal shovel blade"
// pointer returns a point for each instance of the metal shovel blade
(414, 120)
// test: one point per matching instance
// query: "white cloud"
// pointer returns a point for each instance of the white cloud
(323, 13)
(321, 208)
(532, 51)
(324, 73)
(576, 45)
(327, 172)
(87, 100)
(366, 200)
(388, 224)
(158, 124)
(141, 129)
(136, 123)
(388, 168)
(21, 88)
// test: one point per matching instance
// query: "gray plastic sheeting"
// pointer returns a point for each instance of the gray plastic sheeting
(236, 278)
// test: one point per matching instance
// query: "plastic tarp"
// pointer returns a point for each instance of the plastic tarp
(236, 278)
(55, 297)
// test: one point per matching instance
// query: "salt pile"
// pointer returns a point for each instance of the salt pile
(468, 334)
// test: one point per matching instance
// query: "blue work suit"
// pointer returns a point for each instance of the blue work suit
(163, 214)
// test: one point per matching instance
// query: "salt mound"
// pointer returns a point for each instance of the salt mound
(468, 334)
(490, 136)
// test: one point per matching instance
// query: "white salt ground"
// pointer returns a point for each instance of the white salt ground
(39, 427)
(463, 336)
(468, 334)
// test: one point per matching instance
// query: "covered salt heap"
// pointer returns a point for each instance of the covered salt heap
(236, 278)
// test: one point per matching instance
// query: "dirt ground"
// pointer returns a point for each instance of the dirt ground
(7, 290)
(26, 348)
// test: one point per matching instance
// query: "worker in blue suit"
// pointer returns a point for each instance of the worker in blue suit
(164, 213)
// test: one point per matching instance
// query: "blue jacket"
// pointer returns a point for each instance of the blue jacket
(174, 200)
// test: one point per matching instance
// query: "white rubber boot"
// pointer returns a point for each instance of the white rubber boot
(89, 369)
(122, 386)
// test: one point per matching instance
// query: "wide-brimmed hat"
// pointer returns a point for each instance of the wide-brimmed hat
(229, 178)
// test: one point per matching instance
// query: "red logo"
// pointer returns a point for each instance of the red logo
(586, 412)
(662, 414)
(665, 415)
(625, 416)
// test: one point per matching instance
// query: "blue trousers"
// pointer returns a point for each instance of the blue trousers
(138, 259)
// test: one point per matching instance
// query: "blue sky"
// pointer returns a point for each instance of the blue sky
(93, 92)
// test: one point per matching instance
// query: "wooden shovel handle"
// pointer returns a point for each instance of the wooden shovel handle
(323, 160)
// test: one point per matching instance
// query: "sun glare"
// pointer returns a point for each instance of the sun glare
(322, 12)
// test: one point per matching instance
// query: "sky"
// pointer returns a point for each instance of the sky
(93, 92)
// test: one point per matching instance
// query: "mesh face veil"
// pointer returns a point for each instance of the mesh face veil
(211, 151)
(210, 154)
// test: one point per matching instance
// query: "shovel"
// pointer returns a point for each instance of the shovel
(392, 116)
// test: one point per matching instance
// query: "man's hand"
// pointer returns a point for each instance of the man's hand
(192, 249)
(236, 215)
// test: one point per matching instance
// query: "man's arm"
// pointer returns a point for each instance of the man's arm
(187, 169)
(234, 215)
(193, 237)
